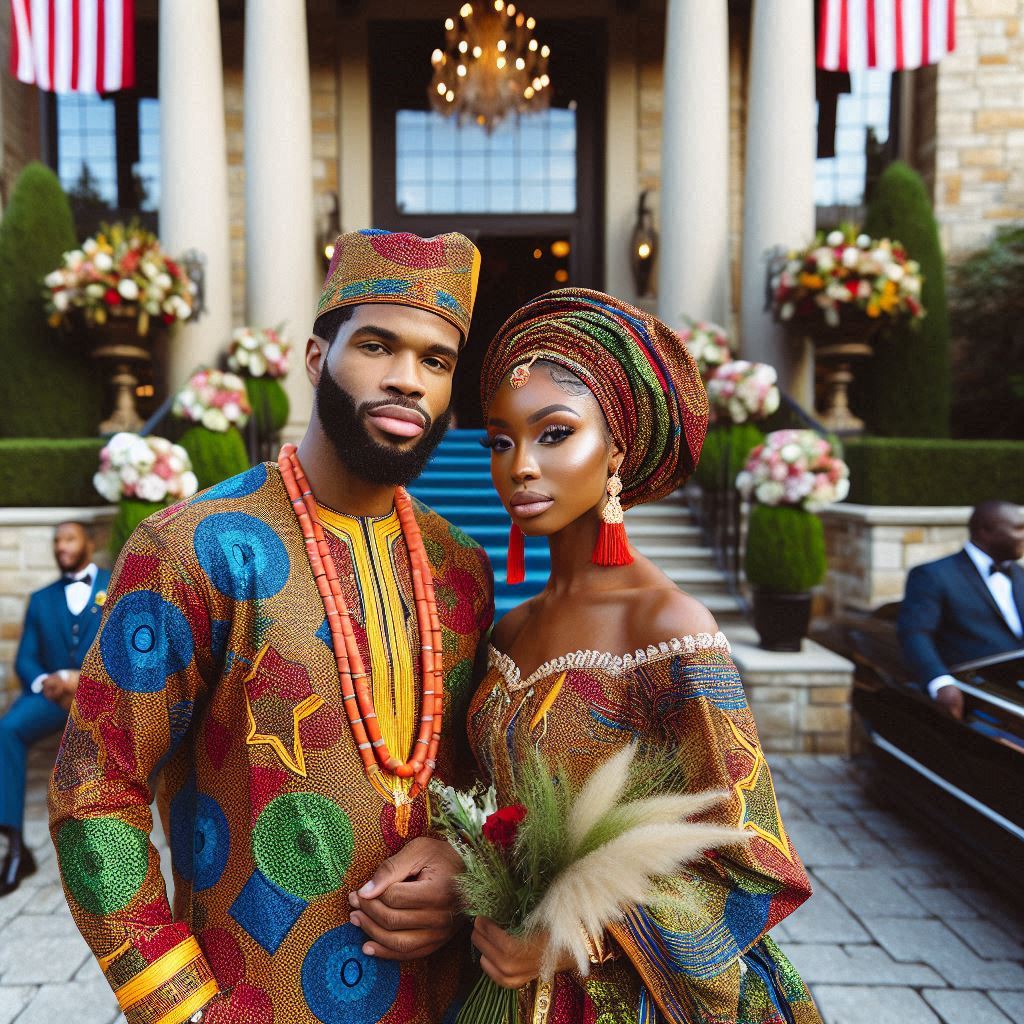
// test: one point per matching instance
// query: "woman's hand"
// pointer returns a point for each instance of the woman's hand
(509, 961)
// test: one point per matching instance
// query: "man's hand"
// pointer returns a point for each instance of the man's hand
(60, 687)
(408, 908)
(508, 960)
(951, 699)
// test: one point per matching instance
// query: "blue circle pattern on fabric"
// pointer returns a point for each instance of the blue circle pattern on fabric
(340, 982)
(146, 639)
(211, 841)
(239, 486)
(242, 556)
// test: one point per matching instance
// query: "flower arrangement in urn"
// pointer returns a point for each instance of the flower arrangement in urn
(216, 404)
(141, 474)
(708, 344)
(261, 356)
(120, 271)
(844, 273)
(790, 477)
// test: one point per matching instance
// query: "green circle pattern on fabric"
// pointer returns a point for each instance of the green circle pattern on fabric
(104, 862)
(303, 842)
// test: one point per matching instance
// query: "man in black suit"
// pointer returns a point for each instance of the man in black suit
(966, 606)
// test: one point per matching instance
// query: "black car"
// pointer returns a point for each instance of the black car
(964, 778)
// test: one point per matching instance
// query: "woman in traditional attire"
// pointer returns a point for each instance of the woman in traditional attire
(592, 406)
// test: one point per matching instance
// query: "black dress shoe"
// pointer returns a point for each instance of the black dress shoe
(18, 864)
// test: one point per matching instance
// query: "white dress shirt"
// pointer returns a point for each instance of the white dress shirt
(77, 596)
(1001, 587)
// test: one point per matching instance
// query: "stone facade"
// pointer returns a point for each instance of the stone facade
(871, 549)
(979, 125)
(26, 564)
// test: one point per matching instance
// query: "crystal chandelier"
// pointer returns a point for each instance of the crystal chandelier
(491, 65)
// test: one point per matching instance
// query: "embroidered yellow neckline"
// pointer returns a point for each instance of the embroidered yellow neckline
(612, 664)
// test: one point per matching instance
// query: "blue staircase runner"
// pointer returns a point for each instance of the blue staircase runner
(457, 485)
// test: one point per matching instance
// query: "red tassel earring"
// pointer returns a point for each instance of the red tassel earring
(515, 571)
(612, 543)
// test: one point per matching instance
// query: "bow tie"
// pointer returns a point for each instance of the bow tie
(71, 578)
(1003, 567)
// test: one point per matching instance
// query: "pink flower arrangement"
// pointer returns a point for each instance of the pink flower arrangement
(122, 267)
(144, 468)
(214, 399)
(840, 272)
(740, 390)
(259, 352)
(708, 344)
(794, 467)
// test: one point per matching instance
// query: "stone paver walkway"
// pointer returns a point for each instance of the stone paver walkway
(898, 932)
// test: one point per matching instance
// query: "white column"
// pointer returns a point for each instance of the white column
(280, 255)
(778, 207)
(693, 261)
(194, 172)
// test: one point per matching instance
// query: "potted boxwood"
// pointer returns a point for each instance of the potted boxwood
(216, 405)
(789, 478)
(260, 356)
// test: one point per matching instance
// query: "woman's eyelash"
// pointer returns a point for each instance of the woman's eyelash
(487, 442)
(558, 432)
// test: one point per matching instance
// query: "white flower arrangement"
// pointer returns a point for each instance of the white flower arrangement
(144, 468)
(214, 399)
(794, 467)
(259, 352)
(708, 344)
(740, 390)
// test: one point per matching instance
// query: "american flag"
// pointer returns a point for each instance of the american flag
(74, 45)
(892, 35)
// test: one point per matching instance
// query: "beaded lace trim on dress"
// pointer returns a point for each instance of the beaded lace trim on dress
(614, 664)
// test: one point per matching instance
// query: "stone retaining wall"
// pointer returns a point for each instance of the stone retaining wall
(26, 564)
(871, 548)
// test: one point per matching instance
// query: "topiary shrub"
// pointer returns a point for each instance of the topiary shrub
(726, 449)
(51, 389)
(987, 311)
(42, 472)
(904, 391)
(269, 402)
(785, 549)
(130, 513)
(215, 455)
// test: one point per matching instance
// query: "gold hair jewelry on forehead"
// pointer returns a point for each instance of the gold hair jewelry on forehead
(520, 376)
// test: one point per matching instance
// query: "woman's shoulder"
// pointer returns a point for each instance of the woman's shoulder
(660, 614)
(508, 627)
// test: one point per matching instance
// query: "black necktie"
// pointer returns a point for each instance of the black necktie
(1003, 567)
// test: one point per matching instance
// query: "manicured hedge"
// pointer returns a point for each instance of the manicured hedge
(41, 472)
(913, 471)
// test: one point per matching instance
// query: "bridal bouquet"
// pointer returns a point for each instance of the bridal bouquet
(215, 399)
(795, 467)
(144, 469)
(741, 391)
(569, 861)
(259, 352)
(708, 344)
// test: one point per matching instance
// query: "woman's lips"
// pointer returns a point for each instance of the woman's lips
(398, 421)
(527, 504)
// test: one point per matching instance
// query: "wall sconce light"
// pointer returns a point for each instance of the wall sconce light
(643, 247)
(194, 264)
(330, 227)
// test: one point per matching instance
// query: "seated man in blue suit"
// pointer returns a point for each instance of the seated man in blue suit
(60, 625)
(966, 606)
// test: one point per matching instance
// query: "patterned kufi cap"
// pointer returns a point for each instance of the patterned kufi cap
(438, 274)
(638, 369)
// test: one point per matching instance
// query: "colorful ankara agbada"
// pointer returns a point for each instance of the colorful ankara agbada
(289, 654)
(649, 665)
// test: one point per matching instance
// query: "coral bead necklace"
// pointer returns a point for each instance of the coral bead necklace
(355, 689)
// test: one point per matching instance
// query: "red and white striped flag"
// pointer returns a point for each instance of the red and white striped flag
(74, 45)
(891, 35)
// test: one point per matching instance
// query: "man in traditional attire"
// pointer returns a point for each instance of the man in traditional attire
(60, 624)
(292, 650)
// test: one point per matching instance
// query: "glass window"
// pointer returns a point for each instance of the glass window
(839, 180)
(526, 165)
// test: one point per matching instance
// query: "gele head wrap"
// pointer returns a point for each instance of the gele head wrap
(637, 368)
(438, 274)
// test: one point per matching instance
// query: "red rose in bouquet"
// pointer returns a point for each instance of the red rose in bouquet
(501, 827)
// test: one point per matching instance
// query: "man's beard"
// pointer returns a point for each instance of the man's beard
(344, 424)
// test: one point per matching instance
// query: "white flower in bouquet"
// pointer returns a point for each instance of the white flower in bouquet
(104, 264)
(108, 484)
(128, 289)
(151, 488)
(163, 280)
(130, 476)
(835, 238)
(216, 420)
(863, 241)
(794, 467)
(149, 269)
(90, 246)
(61, 301)
(95, 290)
(141, 455)
(257, 365)
(851, 257)
(189, 484)
(894, 272)
(54, 279)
